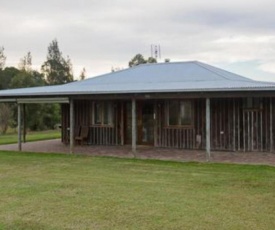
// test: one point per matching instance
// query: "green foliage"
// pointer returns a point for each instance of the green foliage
(151, 60)
(57, 69)
(35, 113)
(7, 110)
(2, 58)
(139, 59)
(5, 114)
(38, 116)
(26, 63)
(42, 116)
(51, 116)
(6, 77)
(27, 79)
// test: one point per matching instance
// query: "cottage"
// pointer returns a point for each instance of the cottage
(186, 105)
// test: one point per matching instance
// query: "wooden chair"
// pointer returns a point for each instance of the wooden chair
(83, 136)
(76, 133)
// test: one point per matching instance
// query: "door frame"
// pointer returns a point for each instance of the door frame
(139, 107)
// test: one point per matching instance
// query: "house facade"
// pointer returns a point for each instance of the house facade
(236, 124)
(185, 105)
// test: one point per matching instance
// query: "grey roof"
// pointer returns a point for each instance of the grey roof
(190, 76)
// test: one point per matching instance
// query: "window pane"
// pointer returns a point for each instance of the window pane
(173, 113)
(105, 113)
(98, 113)
(185, 113)
(108, 113)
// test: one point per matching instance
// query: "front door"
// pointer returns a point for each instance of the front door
(145, 123)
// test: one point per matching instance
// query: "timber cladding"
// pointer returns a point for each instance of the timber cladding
(236, 124)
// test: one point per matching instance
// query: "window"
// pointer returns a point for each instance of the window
(179, 113)
(252, 103)
(103, 113)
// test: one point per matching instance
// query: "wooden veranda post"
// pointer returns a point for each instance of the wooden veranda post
(208, 129)
(155, 125)
(19, 127)
(271, 126)
(234, 126)
(24, 123)
(122, 124)
(134, 133)
(71, 126)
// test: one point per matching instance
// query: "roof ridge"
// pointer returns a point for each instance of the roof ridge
(165, 63)
(216, 71)
(137, 66)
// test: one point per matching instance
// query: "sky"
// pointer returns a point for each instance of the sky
(236, 35)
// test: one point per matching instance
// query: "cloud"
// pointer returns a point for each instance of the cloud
(100, 35)
(268, 66)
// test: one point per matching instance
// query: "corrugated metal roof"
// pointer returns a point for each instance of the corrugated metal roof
(191, 76)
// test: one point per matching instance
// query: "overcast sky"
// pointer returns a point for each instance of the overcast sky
(237, 35)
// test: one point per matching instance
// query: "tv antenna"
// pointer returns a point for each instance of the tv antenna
(155, 51)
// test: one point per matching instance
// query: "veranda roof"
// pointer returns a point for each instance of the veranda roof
(190, 76)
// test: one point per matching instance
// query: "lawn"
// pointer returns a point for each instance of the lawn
(31, 136)
(47, 191)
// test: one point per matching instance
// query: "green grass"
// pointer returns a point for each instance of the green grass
(47, 191)
(31, 136)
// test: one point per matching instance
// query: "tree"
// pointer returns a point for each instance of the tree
(68, 70)
(2, 58)
(56, 69)
(7, 110)
(82, 74)
(139, 59)
(151, 60)
(26, 63)
(25, 79)
(39, 116)
(5, 114)
(6, 76)
(38, 78)
(20, 80)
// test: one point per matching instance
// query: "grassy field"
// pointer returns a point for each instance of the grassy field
(46, 191)
(31, 136)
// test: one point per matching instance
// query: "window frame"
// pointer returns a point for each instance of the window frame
(252, 103)
(179, 117)
(110, 114)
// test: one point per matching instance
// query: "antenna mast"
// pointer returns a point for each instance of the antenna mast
(155, 51)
